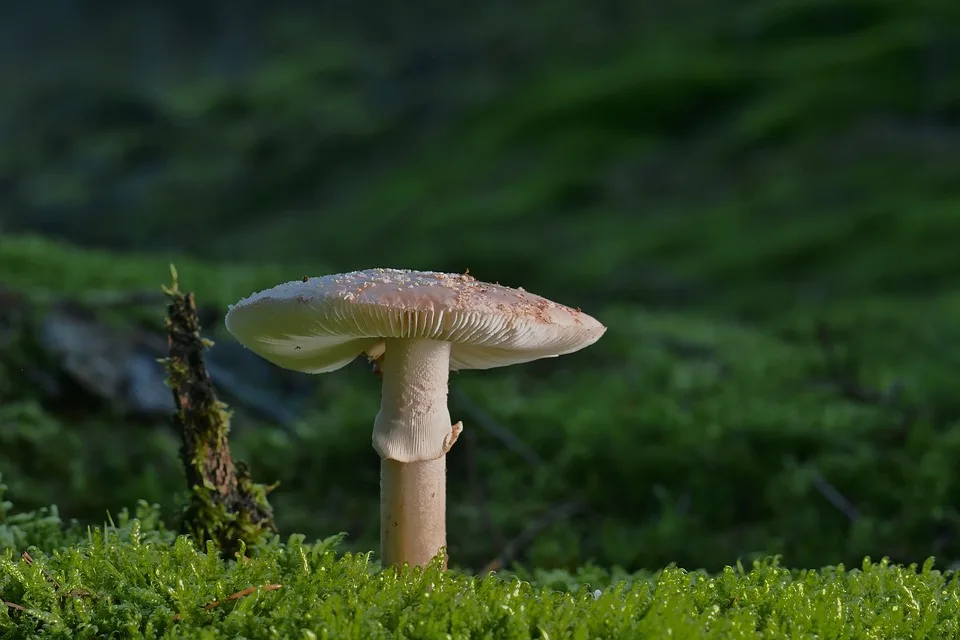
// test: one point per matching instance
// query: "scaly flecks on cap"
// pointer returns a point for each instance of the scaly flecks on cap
(333, 319)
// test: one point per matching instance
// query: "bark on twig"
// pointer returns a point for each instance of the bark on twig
(225, 505)
(243, 593)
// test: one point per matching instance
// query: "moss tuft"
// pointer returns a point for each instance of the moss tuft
(225, 505)
(131, 579)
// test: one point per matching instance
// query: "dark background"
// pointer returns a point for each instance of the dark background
(760, 199)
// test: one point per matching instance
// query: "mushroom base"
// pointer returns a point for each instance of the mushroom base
(413, 511)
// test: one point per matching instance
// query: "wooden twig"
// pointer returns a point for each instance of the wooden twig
(845, 377)
(845, 372)
(478, 490)
(485, 421)
(225, 505)
(834, 497)
(28, 560)
(552, 516)
(70, 593)
(234, 596)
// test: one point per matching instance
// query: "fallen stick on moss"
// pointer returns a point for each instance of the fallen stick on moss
(243, 593)
(225, 505)
(27, 559)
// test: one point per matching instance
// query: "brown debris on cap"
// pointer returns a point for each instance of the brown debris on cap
(321, 324)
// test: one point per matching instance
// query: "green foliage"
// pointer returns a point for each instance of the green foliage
(41, 268)
(688, 438)
(44, 529)
(86, 466)
(132, 579)
(779, 174)
(643, 152)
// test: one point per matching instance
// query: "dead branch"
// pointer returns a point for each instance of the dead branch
(234, 596)
(225, 505)
(845, 372)
(552, 516)
(485, 421)
(834, 497)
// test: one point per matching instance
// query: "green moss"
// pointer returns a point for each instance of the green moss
(663, 159)
(41, 268)
(131, 579)
(758, 181)
(790, 198)
(87, 465)
(688, 438)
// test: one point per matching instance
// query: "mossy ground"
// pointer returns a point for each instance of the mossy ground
(760, 203)
(132, 579)
(685, 438)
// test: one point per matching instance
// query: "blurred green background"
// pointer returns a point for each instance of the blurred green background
(760, 199)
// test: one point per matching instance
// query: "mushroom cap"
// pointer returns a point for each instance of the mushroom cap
(318, 325)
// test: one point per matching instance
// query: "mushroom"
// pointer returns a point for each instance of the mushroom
(416, 326)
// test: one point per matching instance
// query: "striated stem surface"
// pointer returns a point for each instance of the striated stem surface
(413, 423)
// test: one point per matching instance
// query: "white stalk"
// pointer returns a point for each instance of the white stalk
(413, 423)
(413, 511)
(412, 435)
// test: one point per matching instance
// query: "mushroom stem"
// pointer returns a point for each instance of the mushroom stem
(413, 511)
(412, 435)
(413, 424)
